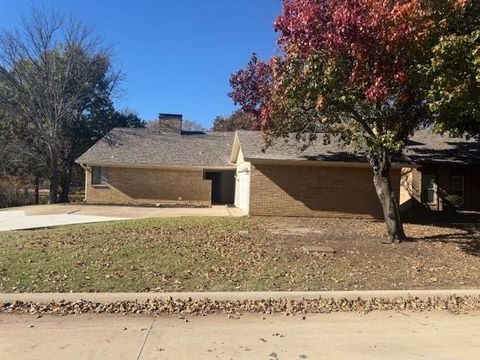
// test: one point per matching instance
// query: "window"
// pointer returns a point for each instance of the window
(429, 189)
(457, 187)
(99, 175)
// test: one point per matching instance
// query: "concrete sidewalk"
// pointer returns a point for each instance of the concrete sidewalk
(226, 296)
(381, 335)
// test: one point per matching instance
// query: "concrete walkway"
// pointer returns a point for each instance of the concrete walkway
(379, 335)
(40, 216)
(43, 298)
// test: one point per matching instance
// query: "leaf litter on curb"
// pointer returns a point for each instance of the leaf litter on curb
(288, 307)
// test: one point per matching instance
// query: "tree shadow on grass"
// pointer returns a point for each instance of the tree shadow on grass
(467, 224)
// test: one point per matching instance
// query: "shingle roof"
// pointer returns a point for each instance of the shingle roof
(253, 148)
(125, 146)
(147, 147)
(423, 147)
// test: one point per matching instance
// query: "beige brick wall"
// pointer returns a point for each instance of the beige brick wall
(315, 191)
(150, 186)
(410, 188)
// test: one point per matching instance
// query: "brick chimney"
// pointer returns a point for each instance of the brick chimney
(171, 123)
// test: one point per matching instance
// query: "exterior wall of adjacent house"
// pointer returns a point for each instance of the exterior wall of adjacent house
(150, 186)
(315, 191)
(443, 174)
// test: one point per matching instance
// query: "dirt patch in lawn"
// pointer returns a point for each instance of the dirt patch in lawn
(208, 254)
(439, 253)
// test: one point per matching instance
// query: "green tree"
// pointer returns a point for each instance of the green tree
(19, 158)
(52, 70)
(96, 122)
(455, 74)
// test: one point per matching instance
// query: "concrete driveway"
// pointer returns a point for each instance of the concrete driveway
(378, 335)
(40, 216)
(18, 220)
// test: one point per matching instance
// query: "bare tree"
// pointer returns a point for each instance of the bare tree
(239, 120)
(51, 69)
(192, 125)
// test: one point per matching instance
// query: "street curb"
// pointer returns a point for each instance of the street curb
(43, 298)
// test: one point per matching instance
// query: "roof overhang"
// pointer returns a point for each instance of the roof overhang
(427, 162)
(157, 166)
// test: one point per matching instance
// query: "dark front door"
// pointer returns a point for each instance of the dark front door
(215, 177)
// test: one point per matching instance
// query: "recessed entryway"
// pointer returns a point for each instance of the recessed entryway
(223, 185)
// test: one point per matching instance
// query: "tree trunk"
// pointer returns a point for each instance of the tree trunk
(37, 190)
(53, 193)
(65, 186)
(381, 164)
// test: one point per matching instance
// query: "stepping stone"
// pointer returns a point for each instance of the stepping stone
(320, 249)
(244, 234)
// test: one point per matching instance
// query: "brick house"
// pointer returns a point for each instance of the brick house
(329, 179)
(160, 166)
(445, 170)
(170, 166)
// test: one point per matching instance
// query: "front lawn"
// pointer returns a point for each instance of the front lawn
(207, 254)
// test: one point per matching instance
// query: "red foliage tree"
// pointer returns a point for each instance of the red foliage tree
(355, 67)
(255, 82)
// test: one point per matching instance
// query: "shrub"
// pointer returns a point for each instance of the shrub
(454, 200)
(13, 192)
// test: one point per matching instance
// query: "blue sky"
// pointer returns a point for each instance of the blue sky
(177, 55)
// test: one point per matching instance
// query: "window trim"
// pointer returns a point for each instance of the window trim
(424, 190)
